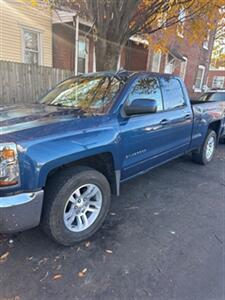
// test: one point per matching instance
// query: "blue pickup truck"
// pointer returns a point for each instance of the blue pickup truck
(61, 159)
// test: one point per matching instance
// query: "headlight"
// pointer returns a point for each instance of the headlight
(9, 167)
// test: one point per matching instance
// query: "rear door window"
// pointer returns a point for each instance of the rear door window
(173, 96)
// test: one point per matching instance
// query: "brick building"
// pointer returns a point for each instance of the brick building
(73, 48)
(216, 78)
(73, 44)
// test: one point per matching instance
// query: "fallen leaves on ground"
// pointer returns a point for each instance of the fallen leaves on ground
(87, 244)
(82, 273)
(3, 238)
(42, 261)
(57, 276)
(43, 278)
(58, 267)
(12, 298)
(132, 207)
(4, 257)
(56, 258)
(29, 258)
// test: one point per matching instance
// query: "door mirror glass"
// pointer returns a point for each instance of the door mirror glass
(141, 106)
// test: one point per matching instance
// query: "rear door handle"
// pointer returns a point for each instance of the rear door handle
(164, 122)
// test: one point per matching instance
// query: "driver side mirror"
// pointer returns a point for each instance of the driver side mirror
(141, 106)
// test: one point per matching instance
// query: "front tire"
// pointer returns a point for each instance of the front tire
(206, 153)
(76, 204)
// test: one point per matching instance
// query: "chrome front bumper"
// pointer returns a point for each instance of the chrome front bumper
(20, 212)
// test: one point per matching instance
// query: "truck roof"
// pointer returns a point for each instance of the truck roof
(126, 74)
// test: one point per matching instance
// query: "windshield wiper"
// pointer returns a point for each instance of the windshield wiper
(77, 109)
(57, 104)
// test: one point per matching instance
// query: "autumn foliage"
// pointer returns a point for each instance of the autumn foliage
(115, 21)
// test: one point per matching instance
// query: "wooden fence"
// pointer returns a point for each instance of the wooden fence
(24, 83)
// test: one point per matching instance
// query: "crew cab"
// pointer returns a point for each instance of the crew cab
(61, 159)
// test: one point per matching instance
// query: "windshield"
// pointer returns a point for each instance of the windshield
(220, 96)
(94, 94)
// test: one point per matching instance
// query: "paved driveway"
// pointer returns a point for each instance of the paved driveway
(164, 239)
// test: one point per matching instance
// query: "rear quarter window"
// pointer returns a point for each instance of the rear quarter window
(173, 96)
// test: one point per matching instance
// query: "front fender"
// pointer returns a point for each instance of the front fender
(42, 158)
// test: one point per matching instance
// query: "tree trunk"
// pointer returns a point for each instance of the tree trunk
(107, 55)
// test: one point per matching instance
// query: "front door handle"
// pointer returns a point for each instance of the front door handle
(187, 117)
(164, 122)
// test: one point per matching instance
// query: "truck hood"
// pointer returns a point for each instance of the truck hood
(22, 122)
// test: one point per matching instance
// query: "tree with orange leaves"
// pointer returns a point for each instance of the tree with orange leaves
(218, 53)
(115, 21)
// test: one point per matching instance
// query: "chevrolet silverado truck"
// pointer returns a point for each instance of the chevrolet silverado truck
(62, 158)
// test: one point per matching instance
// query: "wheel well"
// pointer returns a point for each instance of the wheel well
(101, 162)
(216, 127)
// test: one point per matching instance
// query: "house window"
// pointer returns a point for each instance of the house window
(180, 25)
(156, 61)
(183, 67)
(170, 64)
(31, 47)
(199, 79)
(82, 57)
(206, 41)
(218, 82)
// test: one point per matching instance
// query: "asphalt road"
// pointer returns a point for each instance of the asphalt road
(163, 240)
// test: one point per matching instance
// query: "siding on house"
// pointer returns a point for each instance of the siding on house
(16, 15)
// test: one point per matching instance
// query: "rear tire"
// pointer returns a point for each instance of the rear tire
(206, 152)
(70, 196)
